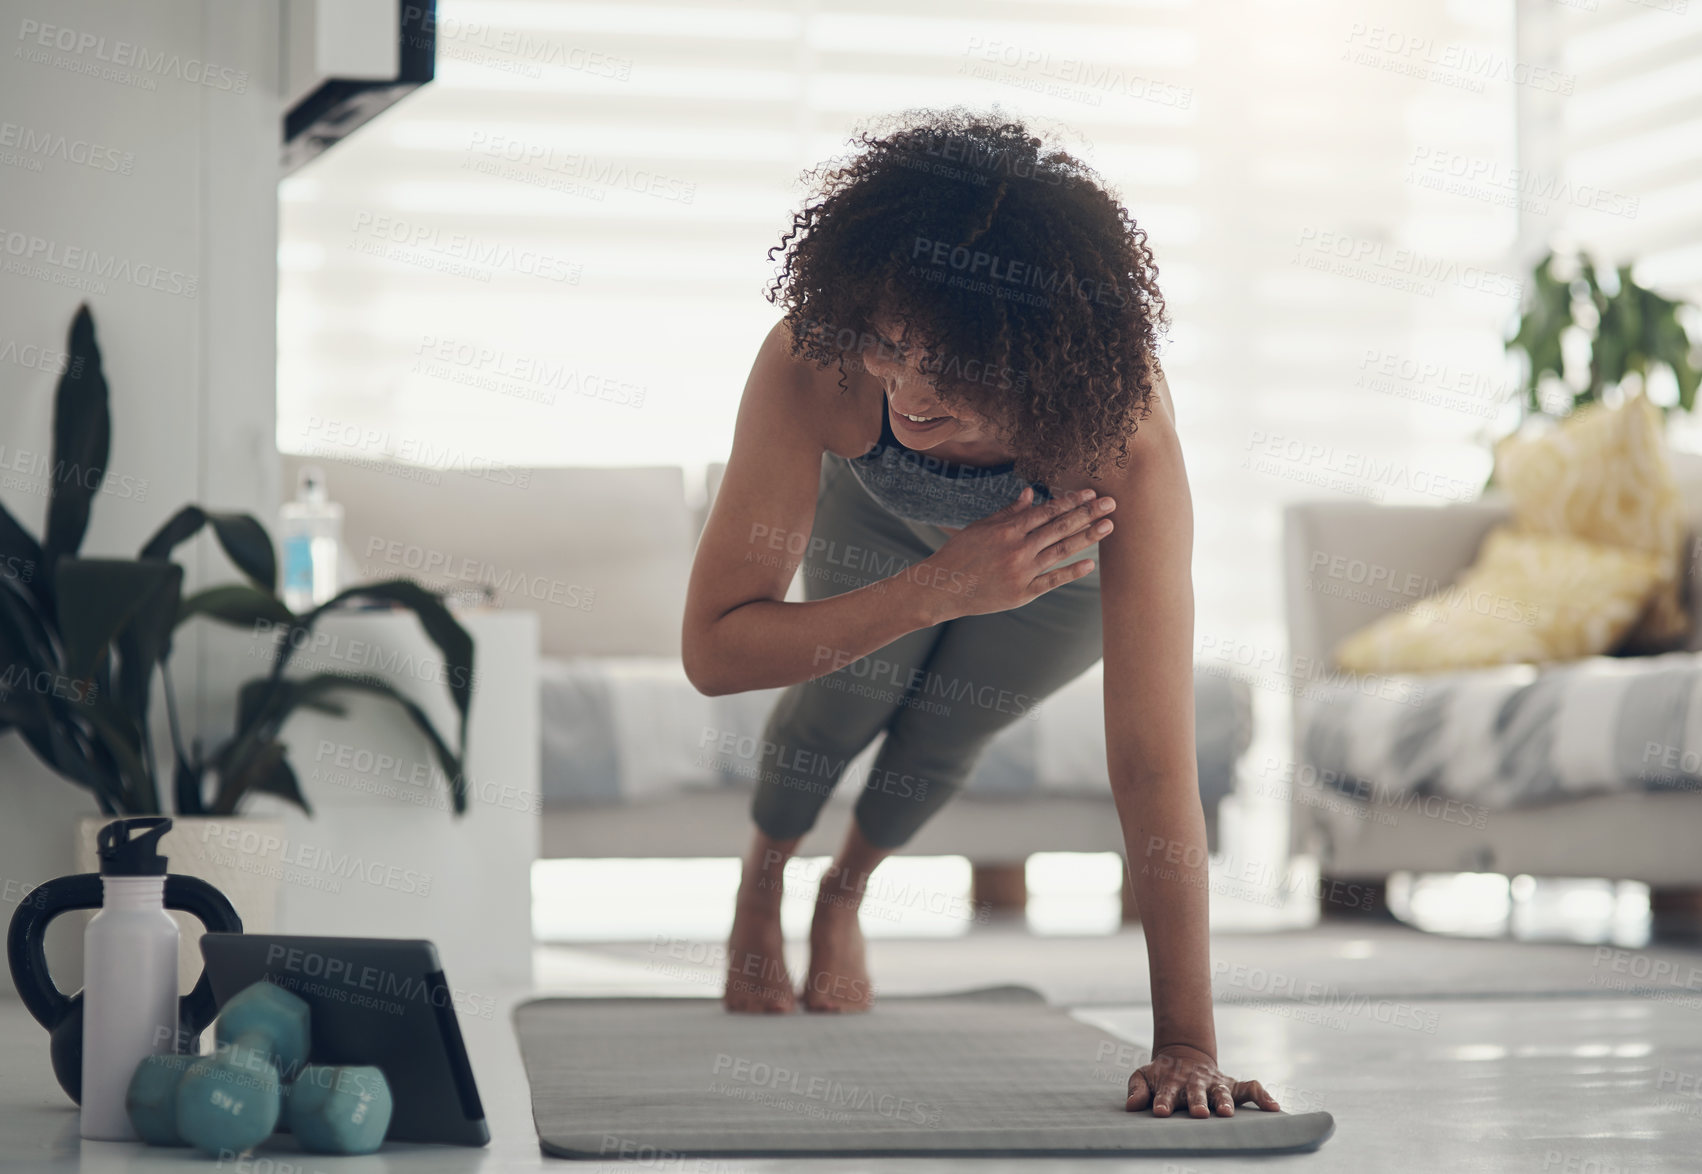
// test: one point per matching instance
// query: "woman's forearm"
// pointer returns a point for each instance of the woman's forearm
(768, 644)
(1164, 832)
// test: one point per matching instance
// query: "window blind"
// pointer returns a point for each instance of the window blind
(555, 253)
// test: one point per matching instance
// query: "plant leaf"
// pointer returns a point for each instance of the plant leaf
(451, 762)
(46, 721)
(265, 772)
(58, 748)
(142, 645)
(98, 597)
(1547, 316)
(29, 641)
(20, 557)
(186, 788)
(124, 741)
(283, 696)
(280, 780)
(243, 539)
(236, 604)
(105, 605)
(444, 630)
(253, 693)
(82, 438)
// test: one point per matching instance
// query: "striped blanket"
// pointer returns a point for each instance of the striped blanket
(1509, 737)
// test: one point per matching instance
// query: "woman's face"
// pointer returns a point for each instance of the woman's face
(918, 417)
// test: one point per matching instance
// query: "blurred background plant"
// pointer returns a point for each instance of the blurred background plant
(1587, 331)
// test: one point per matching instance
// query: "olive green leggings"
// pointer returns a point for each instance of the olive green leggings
(940, 694)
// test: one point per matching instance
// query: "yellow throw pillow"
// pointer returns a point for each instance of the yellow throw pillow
(1529, 598)
(1602, 475)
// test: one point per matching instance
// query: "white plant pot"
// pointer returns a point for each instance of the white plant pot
(234, 854)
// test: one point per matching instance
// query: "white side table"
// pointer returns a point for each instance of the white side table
(383, 854)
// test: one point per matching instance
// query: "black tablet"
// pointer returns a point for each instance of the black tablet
(377, 1001)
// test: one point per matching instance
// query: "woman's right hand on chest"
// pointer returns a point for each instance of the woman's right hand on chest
(1002, 561)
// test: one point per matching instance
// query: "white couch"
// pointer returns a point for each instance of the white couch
(630, 769)
(1330, 552)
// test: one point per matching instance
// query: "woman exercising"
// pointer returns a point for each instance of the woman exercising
(962, 390)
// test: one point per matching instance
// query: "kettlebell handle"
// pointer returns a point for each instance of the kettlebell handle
(26, 942)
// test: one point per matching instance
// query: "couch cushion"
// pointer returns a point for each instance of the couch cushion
(1529, 598)
(1602, 475)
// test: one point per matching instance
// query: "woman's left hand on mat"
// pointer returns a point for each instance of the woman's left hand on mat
(1182, 1077)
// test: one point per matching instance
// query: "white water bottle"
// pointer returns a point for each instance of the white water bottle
(129, 974)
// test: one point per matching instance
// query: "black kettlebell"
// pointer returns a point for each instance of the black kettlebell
(26, 951)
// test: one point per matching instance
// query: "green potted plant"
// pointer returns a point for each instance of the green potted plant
(1630, 332)
(81, 639)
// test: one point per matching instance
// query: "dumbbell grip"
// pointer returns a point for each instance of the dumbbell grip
(257, 1043)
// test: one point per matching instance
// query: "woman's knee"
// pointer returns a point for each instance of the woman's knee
(810, 728)
(896, 802)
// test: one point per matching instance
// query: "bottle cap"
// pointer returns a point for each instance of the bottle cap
(310, 485)
(122, 854)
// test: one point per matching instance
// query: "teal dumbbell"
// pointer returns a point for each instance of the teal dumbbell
(339, 1110)
(229, 1101)
(151, 1099)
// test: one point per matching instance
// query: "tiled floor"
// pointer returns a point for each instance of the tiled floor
(1433, 1054)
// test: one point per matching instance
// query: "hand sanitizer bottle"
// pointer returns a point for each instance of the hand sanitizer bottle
(312, 535)
(129, 974)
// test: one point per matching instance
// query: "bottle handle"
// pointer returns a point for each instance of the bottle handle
(26, 942)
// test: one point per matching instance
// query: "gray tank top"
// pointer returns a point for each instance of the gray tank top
(934, 491)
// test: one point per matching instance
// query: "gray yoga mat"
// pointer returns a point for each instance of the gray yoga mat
(995, 1072)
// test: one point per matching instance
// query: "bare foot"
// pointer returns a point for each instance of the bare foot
(839, 972)
(756, 963)
(756, 949)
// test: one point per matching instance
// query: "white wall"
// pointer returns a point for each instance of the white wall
(177, 100)
(112, 144)
(190, 208)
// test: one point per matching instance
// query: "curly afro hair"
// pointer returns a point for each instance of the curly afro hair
(1024, 287)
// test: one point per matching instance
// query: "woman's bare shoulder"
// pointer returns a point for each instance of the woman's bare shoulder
(845, 410)
(1152, 446)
